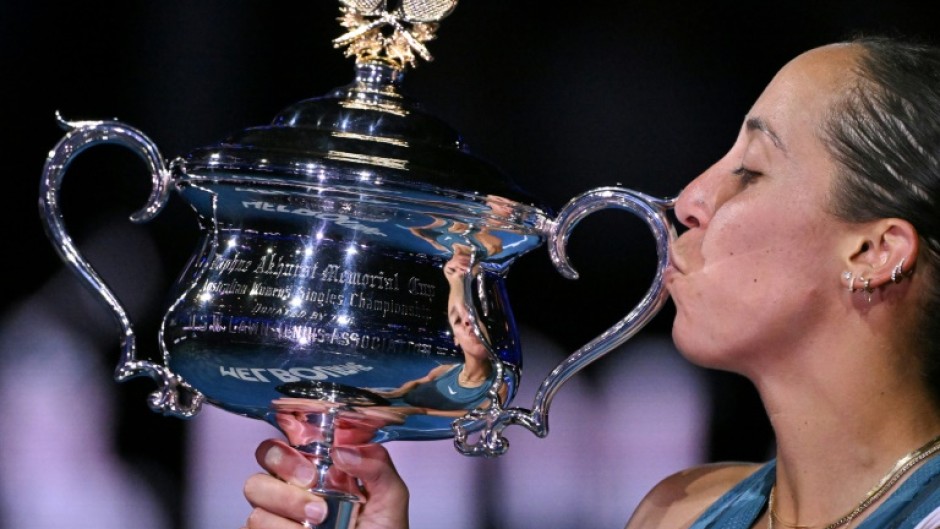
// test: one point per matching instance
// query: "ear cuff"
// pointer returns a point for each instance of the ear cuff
(897, 275)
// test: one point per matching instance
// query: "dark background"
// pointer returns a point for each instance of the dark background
(564, 96)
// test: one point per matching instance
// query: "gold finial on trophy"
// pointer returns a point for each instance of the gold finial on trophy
(393, 36)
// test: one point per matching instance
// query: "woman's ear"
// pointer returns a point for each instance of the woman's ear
(884, 251)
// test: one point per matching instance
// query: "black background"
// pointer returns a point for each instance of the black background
(564, 96)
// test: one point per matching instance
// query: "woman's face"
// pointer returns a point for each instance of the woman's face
(456, 270)
(460, 323)
(759, 268)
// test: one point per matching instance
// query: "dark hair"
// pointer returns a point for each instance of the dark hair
(885, 133)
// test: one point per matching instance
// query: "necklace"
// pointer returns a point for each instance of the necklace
(468, 382)
(902, 466)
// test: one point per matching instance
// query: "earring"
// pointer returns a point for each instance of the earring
(898, 273)
(849, 279)
(866, 286)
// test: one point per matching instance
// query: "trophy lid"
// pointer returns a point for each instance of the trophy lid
(367, 139)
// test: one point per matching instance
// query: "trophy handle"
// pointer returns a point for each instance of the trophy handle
(79, 136)
(495, 419)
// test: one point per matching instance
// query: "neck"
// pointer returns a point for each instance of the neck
(472, 374)
(842, 416)
(879, 493)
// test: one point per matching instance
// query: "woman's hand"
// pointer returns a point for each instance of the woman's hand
(281, 500)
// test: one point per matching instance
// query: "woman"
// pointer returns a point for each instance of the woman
(467, 382)
(810, 266)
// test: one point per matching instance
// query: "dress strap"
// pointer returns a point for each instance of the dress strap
(740, 506)
(905, 508)
(913, 501)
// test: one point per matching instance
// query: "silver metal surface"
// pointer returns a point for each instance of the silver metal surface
(174, 397)
(348, 286)
(490, 440)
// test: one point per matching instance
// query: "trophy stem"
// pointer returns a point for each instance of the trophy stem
(319, 453)
(318, 416)
(332, 485)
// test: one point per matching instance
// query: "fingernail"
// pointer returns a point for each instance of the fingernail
(301, 474)
(315, 511)
(273, 457)
(304, 474)
(347, 456)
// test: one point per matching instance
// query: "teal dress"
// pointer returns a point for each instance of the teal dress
(446, 394)
(905, 507)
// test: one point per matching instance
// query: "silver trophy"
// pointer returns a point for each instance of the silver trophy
(349, 282)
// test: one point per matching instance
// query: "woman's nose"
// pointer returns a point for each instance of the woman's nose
(698, 201)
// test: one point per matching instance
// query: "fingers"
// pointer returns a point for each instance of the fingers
(280, 500)
(370, 463)
(387, 503)
(278, 458)
(261, 519)
(272, 496)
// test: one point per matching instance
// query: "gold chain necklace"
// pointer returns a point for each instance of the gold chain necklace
(902, 466)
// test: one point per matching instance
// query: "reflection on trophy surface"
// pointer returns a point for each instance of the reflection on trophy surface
(454, 389)
(348, 286)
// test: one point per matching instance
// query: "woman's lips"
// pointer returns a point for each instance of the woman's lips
(682, 252)
(675, 263)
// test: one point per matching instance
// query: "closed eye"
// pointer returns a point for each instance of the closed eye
(745, 175)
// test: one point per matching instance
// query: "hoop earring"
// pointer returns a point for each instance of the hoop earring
(897, 275)
(849, 279)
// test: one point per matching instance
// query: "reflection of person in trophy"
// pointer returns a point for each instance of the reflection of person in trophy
(443, 234)
(811, 266)
(500, 207)
(452, 389)
(300, 421)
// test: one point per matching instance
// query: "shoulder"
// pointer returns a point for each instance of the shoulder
(678, 500)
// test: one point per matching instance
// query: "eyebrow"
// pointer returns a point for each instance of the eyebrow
(755, 123)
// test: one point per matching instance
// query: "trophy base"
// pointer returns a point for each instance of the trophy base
(342, 510)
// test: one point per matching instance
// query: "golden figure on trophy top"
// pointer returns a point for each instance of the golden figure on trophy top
(393, 36)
